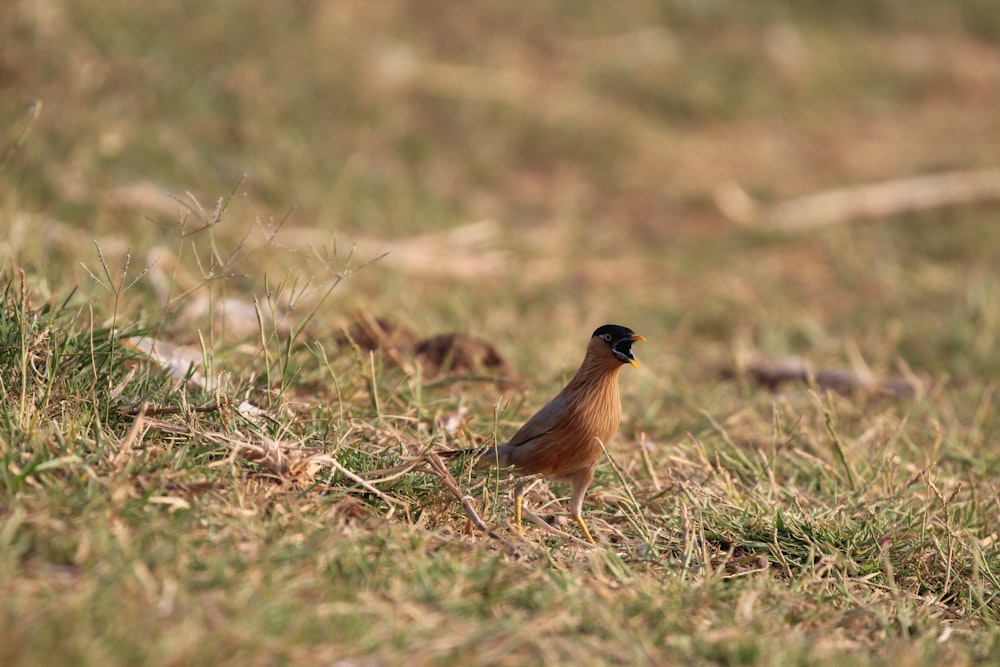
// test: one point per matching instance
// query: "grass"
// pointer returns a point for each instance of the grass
(229, 180)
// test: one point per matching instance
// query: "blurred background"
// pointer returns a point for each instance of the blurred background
(755, 184)
(548, 166)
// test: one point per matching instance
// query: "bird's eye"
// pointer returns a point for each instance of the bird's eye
(607, 337)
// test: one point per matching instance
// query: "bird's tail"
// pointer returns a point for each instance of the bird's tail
(455, 453)
(485, 456)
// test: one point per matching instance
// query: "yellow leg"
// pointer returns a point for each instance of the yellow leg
(583, 527)
(581, 481)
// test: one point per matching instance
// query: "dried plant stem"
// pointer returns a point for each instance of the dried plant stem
(336, 465)
(545, 525)
(864, 202)
(281, 459)
(437, 468)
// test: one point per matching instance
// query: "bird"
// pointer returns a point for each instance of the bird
(564, 439)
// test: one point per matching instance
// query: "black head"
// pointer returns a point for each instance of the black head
(620, 340)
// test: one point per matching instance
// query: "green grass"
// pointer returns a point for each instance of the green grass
(230, 178)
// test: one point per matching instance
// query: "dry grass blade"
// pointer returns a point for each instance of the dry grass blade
(168, 427)
(636, 507)
(131, 437)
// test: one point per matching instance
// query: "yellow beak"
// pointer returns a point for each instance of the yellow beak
(636, 337)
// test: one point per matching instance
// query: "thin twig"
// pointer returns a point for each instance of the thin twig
(392, 473)
(273, 456)
(864, 202)
(438, 469)
(545, 525)
(336, 465)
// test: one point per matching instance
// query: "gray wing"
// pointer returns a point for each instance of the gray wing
(541, 423)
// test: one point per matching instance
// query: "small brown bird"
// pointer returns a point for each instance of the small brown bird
(563, 440)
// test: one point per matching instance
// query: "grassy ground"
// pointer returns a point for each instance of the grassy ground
(229, 179)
